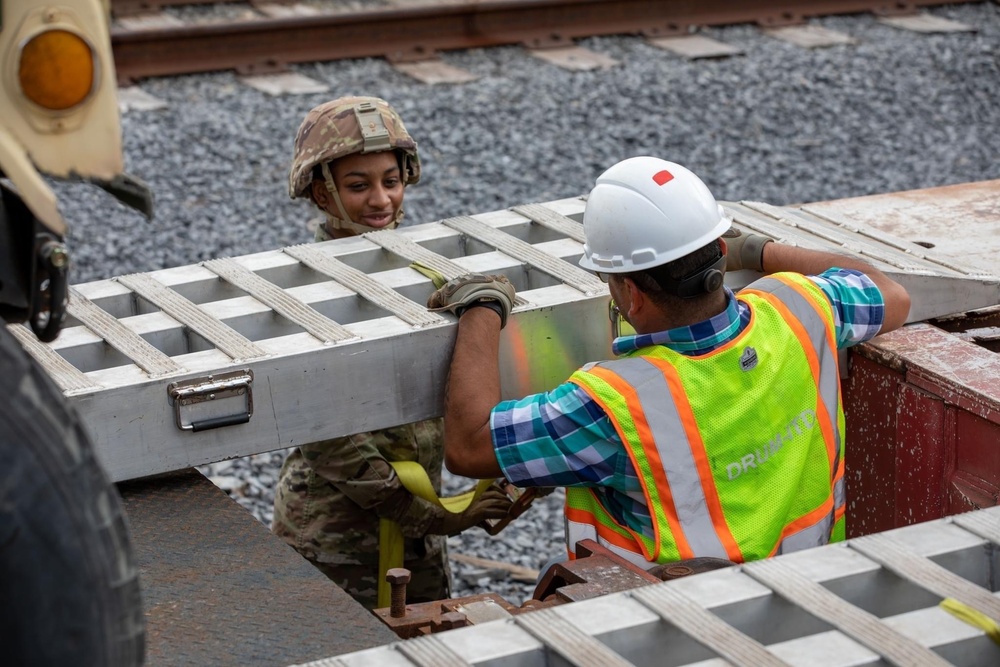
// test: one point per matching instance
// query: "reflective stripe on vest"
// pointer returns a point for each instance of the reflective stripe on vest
(668, 453)
(793, 293)
(690, 521)
(802, 308)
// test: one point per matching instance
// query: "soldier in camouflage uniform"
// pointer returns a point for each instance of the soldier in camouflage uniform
(353, 158)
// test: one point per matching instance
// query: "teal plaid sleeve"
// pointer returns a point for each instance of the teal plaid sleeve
(858, 306)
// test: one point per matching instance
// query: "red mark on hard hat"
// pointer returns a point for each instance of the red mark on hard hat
(662, 177)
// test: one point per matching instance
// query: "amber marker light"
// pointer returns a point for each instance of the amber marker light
(56, 71)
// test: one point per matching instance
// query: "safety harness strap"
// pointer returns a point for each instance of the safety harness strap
(390, 542)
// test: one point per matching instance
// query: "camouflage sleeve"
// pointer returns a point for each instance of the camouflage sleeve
(354, 465)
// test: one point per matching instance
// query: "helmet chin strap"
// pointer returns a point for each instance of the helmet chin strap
(344, 222)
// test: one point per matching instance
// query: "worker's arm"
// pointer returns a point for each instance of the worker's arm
(473, 390)
(778, 257)
(482, 304)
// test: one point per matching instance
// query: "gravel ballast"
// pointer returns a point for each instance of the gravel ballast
(781, 124)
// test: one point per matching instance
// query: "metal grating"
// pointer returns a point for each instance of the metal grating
(791, 609)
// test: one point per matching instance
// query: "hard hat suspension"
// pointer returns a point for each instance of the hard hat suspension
(705, 279)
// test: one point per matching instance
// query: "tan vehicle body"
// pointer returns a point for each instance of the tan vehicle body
(67, 556)
(58, 116)
(82, 141)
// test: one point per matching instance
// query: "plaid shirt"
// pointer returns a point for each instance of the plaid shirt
(564, 438)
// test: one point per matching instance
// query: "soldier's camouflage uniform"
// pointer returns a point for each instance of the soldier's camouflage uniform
(329, 501)
(332, 493)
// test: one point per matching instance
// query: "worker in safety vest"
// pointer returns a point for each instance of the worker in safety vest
(718, 430)
(353, 158)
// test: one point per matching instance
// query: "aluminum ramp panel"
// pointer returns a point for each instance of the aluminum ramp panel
(832, 606)
(341, 323)
(938, 284)
(329, 339)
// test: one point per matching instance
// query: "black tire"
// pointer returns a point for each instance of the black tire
(69, 584)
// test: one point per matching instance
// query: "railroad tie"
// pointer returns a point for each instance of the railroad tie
(708, 629)
(865, 628)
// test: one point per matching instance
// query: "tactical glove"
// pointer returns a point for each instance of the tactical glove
(474, 289)
(492, 504)
(744, 251)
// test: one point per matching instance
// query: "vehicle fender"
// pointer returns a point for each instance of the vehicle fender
(16, 165)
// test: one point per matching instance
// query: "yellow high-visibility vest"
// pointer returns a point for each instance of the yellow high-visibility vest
(739, 451)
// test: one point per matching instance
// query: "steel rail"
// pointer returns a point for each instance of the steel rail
(120, 8)
(418, 33)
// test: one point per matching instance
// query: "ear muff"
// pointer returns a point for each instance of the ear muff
(707, 278)
(713, 280)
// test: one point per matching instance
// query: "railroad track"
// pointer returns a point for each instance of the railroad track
(419, 31)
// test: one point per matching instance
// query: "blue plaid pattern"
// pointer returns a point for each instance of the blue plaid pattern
(563, 438)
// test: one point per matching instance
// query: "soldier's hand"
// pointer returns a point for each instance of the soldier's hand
(744, 251)
(492, 504)
(474, 289)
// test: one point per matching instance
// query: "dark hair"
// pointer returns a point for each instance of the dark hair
(660, 282)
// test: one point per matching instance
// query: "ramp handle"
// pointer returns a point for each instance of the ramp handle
(218, 422)
(197, 402)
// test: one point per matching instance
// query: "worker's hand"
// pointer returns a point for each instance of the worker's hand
(474, 289)
(744, 251)
(492, 504)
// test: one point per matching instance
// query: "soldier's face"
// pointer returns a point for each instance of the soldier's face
(370, 187)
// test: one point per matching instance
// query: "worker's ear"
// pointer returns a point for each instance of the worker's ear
(637, 300)
(320, 195)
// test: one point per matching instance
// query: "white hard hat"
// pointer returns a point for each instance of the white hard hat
(645, 212)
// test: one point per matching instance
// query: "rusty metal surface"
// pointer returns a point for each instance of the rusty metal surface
(961, 222)
(418, 32)
(219, 589)
(423, 618)
(923, 429)
(961, 372)
(981, 327)
(597, 571)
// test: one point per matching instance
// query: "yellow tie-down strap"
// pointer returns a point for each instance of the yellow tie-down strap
(973, 617)
(390, 537)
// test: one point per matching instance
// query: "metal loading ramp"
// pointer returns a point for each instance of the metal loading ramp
(874, 600)
(231, 357)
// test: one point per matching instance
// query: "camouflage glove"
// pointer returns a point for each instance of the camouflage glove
(744, 251)
(492, 504)
(474, 289)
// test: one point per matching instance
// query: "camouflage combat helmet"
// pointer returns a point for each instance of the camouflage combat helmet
(346, 126)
